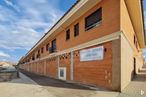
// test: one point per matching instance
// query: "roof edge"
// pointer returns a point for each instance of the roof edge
(54, 25)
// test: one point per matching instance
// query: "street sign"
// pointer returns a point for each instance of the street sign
(92, 54)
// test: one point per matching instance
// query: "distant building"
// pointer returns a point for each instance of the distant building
(97, 42)
(4, 64)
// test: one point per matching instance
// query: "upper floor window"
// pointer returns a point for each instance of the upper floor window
(68, 34)
(38, 54)
(33, 57)
(94, 19)
(42, 50)
(38, 51)
(134, 39)
(47, 46)
(76, 30)
(53, 49)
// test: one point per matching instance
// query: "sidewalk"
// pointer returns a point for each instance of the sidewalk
(47, 87)
(23, 87)
(63, 89)
(136, 88)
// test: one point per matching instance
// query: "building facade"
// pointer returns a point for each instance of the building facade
(97, 42)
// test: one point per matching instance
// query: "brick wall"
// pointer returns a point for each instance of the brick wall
(94, 72)
(51, 67)
(97, 73)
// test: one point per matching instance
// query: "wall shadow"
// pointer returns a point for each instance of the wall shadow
(47, 81)
(140, 78)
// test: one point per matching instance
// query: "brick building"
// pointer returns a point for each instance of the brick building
(97, 42)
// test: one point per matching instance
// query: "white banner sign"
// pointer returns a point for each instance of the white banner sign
(92, 54)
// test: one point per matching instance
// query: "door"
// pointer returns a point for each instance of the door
(62, 73)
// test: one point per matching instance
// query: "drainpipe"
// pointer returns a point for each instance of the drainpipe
(72, 66)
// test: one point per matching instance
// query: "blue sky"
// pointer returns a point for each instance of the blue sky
(145, 12)
(24, 22)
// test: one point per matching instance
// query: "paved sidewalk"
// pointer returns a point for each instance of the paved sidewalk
(47, 87)
(136, 88)
(63, 89)
(23, 87)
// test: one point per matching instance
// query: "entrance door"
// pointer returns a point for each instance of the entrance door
(62, 73)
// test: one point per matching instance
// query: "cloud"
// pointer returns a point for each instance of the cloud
(20, 30)
(24, 22)
(4, 55)
(9, 3)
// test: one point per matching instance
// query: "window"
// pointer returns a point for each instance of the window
(94, 19)
(33, 57)
(38, 55)
(42, 50)
(38, 51)
(53, 45)
(47, 46)
(68, 34)
(134, 39)
(76, 30)
(62, 73)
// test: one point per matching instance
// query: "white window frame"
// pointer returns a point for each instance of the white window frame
(64, 69)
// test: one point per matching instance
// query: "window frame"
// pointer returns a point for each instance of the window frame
(42, 50)
(68, 34)
(47, 47)
(33, 57)
(76, 30)
(97, 22)
(54, 49)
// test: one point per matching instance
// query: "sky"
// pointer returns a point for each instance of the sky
(24, 22)
(144, 51)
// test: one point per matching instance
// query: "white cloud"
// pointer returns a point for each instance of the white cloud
(21, 30)
(23, 22)
(9, 3)
(4, 55)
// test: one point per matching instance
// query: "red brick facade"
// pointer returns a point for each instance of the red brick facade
(97, 73)
(112, 32)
